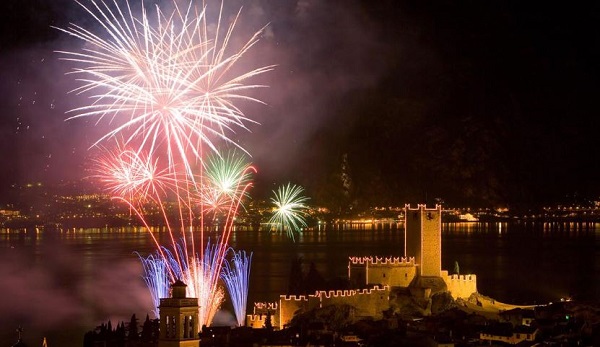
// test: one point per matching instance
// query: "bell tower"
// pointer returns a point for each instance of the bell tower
(423, 238)
(178, 319)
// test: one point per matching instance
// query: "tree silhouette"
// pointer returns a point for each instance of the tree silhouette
(133, 331)
(268, 322)
(296, 284)
(147, 330)
(314, 281)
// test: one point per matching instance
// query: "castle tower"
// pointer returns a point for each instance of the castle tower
(178, 319)
(423, 238)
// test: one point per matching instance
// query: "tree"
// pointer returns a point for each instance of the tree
(314, 281)
(120, 334)
(132, 331)
(296, 285)
(147, 330)
(268, 323)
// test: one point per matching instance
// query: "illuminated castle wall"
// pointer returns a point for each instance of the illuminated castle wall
(460, 286)
(366, 303)
(421, 272)
(423, 239)
(261, 310)
(392, 271)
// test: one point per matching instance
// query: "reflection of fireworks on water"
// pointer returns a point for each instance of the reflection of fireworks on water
(290, 210)
(236, 275)
(167, 90)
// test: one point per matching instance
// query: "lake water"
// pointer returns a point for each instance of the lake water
(61, 285)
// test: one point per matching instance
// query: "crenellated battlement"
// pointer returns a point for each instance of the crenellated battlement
(335, 293)
(261, 307)
(293, 297)
(463, 278)
(254, 318)
(460, 286)
(347, 293)
(422, 207)
(325, 294)
(257, 321)
(401, 261)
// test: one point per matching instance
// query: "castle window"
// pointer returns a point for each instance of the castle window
(167, 326)
(186, 325)
(170, 327)
(173, 327)
(191, 327)
(383, 274)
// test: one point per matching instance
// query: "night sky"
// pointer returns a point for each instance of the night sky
(474, 102)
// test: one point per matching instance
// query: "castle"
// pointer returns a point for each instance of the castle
(419, 270)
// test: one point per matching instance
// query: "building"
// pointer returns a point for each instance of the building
(506, 333)
(421, 265)
(419, 269)
(178, 319)
(423, 238)
(518, 316)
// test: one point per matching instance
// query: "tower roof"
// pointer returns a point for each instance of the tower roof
(178, 289)
(178, 283)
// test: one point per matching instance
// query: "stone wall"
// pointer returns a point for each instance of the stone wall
(390, 271)
(289, 305)
(257, 319)
(367, 303)
(460, 286)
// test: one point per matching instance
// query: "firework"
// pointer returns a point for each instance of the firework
(200, 270)
(161, 83)
(290, 211)
(130, 175)
(236, 275)
(166, 86)
(163, 268)
(224, 175)
(203, 284)
(156, 278)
